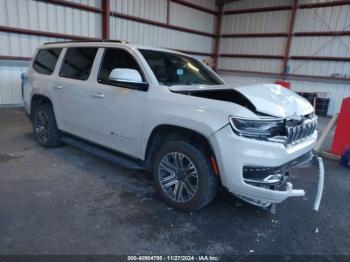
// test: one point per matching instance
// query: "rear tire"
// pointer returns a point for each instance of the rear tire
(45, 127)
(184, 176)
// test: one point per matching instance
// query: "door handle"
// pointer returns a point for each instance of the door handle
(98, 95)
(57, 86)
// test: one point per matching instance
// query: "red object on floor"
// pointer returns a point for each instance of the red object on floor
(341, 140)
(283, 83)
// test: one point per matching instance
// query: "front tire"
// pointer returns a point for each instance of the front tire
(184, 176)
(45, 127)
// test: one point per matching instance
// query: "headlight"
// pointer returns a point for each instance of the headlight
(262, 129)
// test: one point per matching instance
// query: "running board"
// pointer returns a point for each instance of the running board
(100, 152)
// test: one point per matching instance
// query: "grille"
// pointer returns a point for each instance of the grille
(298, 132)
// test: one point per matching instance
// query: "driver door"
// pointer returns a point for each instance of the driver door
(118, 107)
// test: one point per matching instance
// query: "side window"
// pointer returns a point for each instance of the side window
(46, 60)
(116, 58)
(77, 62)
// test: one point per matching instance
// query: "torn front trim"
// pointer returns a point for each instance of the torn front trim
(289, 191)
(320, 182)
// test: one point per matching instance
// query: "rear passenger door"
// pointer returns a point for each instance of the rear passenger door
(73, 91)
(118, 108)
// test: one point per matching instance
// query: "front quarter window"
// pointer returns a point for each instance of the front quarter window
(174, 69)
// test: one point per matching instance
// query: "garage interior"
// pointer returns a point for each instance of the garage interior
(66, 201)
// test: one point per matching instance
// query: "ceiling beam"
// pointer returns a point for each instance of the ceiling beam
(258, 10)
(106, 9)
(225, 2)
(323, 33)
(239, 35)
(253, 56)
(288, 76)
(44, 33)
(74, 5)
(218, 35)
(321, 58)
(325, 4)
(194, 6)
(290, 35)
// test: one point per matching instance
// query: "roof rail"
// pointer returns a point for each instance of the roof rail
(84, 41)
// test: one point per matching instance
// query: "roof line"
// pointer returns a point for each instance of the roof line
(85, 41)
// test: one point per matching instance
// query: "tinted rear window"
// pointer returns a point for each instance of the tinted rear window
(46, 60)
(78, 62)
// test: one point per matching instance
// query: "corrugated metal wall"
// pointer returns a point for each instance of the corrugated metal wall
(144, 34)
(156, 10)
(333, 18)
(10, 93)
(190, 18)
(49, 17)
(151, 9)
(30, 14)
(263, 22)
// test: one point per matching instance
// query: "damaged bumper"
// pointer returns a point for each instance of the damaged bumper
(257, 171)
(319, 162)
(289, 191)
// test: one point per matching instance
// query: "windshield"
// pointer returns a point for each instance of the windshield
(174, 69)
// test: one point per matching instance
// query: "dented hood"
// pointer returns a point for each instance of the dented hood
(270, 99)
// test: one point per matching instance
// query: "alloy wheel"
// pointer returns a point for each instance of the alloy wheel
(41, 125)
(178, 177)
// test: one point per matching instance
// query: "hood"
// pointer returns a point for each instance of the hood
(270, 99)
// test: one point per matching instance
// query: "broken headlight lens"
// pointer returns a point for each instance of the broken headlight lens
(263, 129)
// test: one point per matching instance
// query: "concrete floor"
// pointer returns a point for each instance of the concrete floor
(65, 201)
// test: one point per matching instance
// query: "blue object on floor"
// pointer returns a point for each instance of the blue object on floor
(345, 158)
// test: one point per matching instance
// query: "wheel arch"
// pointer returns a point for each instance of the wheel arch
(166, 132)
(37, 100)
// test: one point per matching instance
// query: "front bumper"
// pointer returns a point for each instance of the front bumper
(234, 154)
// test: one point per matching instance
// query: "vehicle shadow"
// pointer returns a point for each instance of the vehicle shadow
(139, 184)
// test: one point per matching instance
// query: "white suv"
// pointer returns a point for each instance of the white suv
(164, 111)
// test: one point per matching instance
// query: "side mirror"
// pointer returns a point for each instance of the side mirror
(127, 75)
(128, 78)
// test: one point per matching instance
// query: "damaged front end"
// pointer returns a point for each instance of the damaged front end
(289, 132)
(275, 179)
(256, 152)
